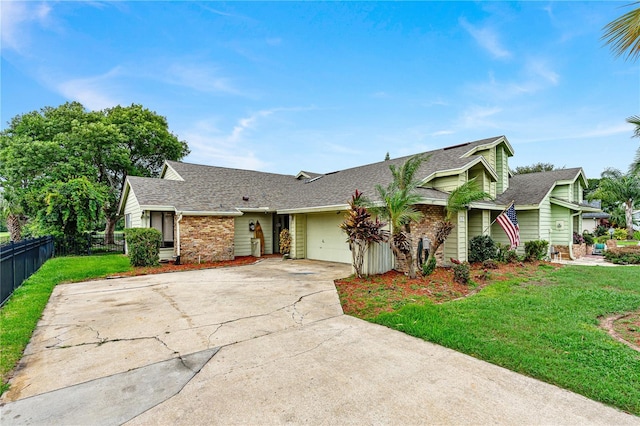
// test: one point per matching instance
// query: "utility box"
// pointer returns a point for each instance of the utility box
(255, 247)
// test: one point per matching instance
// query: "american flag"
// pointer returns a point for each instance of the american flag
(509, 223)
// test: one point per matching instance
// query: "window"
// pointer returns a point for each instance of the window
(127, 220)
(163, 222)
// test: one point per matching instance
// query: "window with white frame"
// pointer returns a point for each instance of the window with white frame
(163, 222)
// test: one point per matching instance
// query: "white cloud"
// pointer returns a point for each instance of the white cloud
(487, 38)
(93, 92)
(478, 117)
(15, 20)
(200, 78)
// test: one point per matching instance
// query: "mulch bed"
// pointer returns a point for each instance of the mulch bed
(369, 296)
(172, 267)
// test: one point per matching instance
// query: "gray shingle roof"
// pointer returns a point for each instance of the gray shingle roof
(210, 188)
(531, 188)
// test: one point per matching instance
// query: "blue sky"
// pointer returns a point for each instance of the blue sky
(290, 86)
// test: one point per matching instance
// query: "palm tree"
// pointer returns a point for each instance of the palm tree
(397, 207)
(623, 34)
(620, 189)
(14, 215)
(635, 166)
(459, 200)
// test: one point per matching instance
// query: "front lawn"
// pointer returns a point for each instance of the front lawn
(542, 322)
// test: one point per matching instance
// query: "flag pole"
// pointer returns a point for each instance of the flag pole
(494, 220)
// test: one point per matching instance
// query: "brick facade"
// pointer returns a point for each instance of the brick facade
(206, 239)
(425, 227)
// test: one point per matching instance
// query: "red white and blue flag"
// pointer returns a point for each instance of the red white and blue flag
(509, 223)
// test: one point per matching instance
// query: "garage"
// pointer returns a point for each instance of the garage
(325, 240)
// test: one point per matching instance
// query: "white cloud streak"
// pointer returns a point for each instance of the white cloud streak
(15, 20)
(487, 38)
(93, 92)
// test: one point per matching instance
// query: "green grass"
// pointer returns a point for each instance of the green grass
(19, 316)
(624, 243)
(4, 237)
(547, 328)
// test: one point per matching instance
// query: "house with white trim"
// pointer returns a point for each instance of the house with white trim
(208, 213)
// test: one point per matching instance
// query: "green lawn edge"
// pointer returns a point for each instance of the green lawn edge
(546, 328)
(20, 314)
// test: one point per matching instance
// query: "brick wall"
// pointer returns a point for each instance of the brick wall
(425, 227)
(579, 250)
(206, 239)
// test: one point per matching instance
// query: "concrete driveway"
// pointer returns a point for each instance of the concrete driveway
(259, 344)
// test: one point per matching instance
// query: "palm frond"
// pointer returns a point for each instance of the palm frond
(462, 196)
(623, 34)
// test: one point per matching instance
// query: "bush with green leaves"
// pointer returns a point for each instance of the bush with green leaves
(535, 250)
(588, 238)
(490, 264)
(636, 235)
(429, 266)
(143, 246)
(481, 248)
(619, 234)
(601, 230)
(461, 272)
(506, 255)
(629, 255)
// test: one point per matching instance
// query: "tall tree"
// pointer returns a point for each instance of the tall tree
(458, 200)
(398, 202)
(623, 34)
(534, 168)
(620, 189)
(635, 165)
(57, 145)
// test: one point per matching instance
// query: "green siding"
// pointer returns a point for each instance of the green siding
(528, 221)
(561, 225)
(562, 191)
(489, 155)
(475, 223)
(447, 183)
(456, 244)
(242, 235)
(298, 229)
(502, 169)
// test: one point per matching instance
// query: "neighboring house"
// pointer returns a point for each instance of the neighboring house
(208, 213)
(636, 220)
(591, 220)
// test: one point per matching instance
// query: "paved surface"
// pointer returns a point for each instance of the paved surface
(259, 344)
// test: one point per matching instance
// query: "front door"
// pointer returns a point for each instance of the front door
(280, 222)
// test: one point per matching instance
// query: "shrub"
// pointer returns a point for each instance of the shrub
(577, 238)
(481, 248)
(285, 241)
(601, 230)
(636, 235)
(629, 255)
(461, 272)
(429, 266)
(535, 250)
(602, 239)
(143, 245)
(490, 264)
(511, 256)
(619, 234)
(588, 238)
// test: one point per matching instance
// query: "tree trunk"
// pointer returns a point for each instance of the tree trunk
(628, 215)
(109, 229)
(14, 225)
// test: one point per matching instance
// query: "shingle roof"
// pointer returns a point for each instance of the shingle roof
(531, 188)
(210, 188)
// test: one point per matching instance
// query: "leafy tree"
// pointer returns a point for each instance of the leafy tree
(398, 200)
(534, 168)
(620, 189)
(459, 199)
(623, 34)
(57, 145)
(361, 231)
(13, 216)
(387, 157)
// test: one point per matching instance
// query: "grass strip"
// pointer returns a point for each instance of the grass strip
(546, 328)
(20, 314)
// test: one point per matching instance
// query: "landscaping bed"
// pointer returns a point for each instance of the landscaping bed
(172, 267)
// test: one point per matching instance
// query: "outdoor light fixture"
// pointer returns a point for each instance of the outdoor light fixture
(252, 226)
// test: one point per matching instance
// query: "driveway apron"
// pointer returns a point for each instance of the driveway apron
(258, 344)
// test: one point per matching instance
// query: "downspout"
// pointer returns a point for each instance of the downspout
(571, 256)
(178, 237)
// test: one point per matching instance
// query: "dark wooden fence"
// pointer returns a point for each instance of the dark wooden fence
(18, 261)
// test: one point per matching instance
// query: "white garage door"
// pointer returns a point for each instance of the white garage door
(325, 240)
